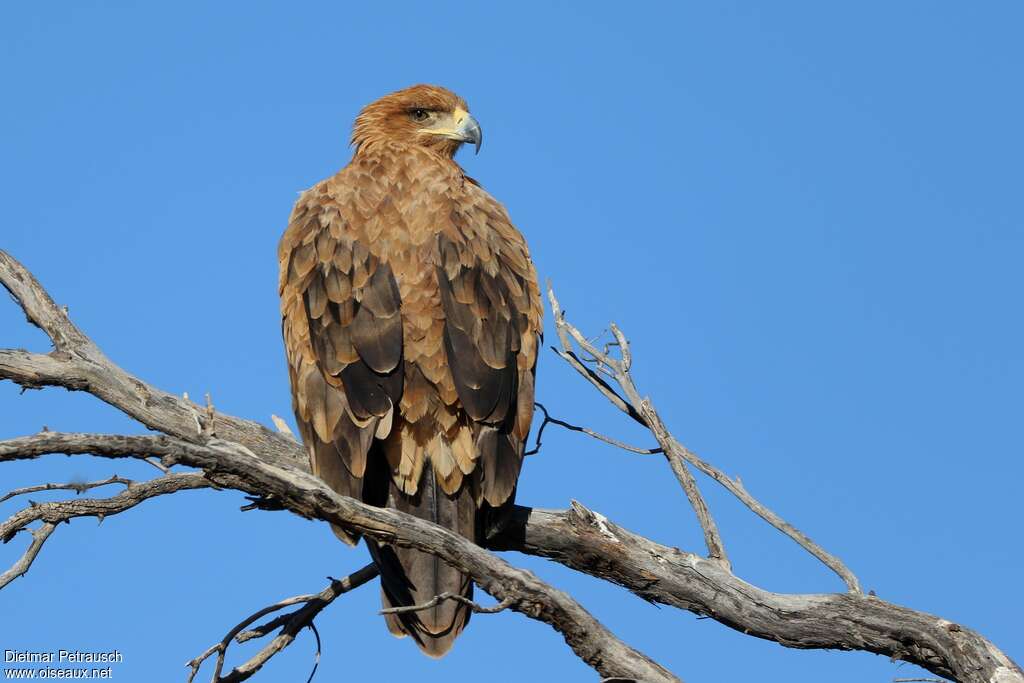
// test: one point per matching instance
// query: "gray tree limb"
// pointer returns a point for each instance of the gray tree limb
(290, 625)
(588, 542)
(300, 492)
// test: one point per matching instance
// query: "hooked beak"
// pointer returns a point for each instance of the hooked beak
(462, 127)
(468, 129)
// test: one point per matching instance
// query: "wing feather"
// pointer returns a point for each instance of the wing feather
(491, 321)
(343, 330)
(411, 317)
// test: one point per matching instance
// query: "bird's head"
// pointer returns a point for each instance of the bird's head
(427, 116)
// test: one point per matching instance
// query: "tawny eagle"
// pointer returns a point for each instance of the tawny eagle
(411, 320)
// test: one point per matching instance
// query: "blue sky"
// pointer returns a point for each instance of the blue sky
(806, 216)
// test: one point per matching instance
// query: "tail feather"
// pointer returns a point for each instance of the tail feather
(411, 577)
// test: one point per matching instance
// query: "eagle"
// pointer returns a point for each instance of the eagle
(411, 317)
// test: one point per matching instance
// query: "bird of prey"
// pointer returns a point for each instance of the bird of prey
(411, 320)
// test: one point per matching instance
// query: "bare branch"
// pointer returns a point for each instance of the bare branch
(19, 568)
(735, 486)
(158, 465)
(585, 430)
(438, 599)
(56, 512)
(77, 487)
(309, 497)
(290, 624)
(712, 538)
(633, 405)
(588, 542)
(678, 455)
(77, 364)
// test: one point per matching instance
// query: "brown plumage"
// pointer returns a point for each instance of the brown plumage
(411, 319)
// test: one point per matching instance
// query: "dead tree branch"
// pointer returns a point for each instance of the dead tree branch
(589, 542)
(56, 512)
(77, 487)
(269, 466)
(642, 410)
(77, 364)
(438, 599)
(302, 493)
(583, 430)
(290, 624)
(23, 563)
(637, 408)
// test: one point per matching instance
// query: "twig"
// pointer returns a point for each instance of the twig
(292, 623)
(586, 430)
(77, 487)
(735, 486)
(157, 465)
(678, 455)
(108, 445)
(19, 568)
(438, 599)
(222, 647)
(55, 512)
(316, 661)
(633, 405)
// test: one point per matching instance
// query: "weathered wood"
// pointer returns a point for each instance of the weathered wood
(302, 493)
(587, 541)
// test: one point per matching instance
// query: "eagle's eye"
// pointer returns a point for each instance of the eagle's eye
(419, 114)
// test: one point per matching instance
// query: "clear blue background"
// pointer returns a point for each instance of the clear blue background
(806, 216)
